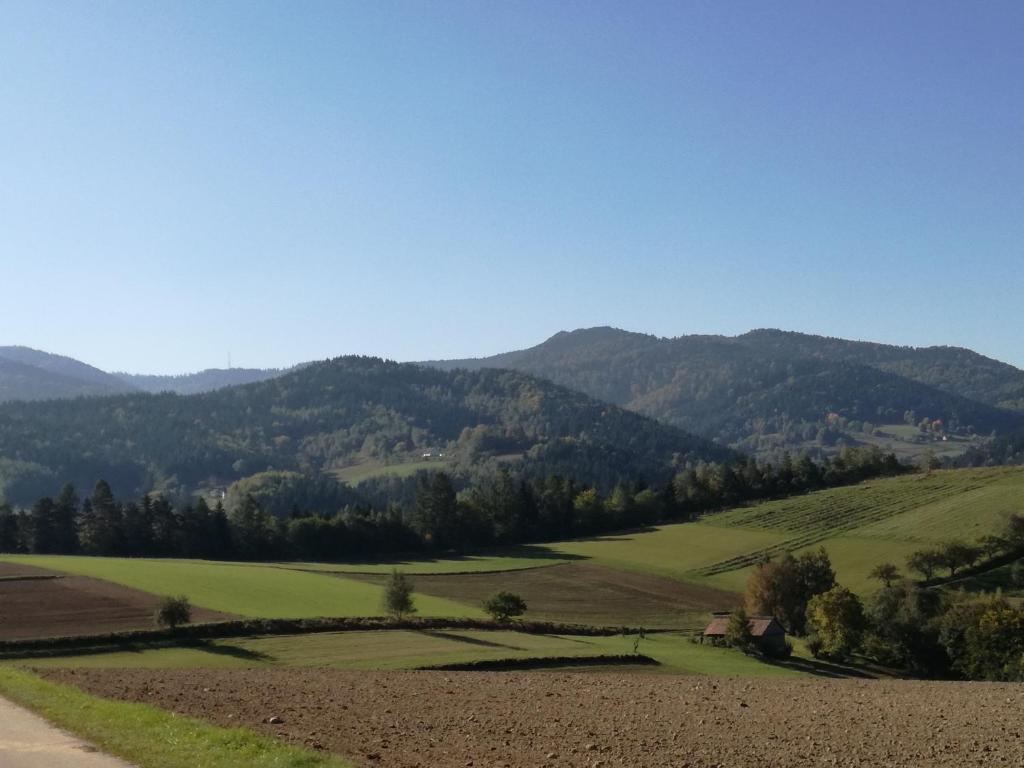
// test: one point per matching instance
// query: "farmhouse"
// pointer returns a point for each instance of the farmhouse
(767, 631)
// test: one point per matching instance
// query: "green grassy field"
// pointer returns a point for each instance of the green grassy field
(153, 738)
(258, 591)
(669, 550)
(859, 526)
(396, 649)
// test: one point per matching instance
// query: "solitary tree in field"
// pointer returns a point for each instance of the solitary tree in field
(504, 605)
(886, 573)
(173, 612)
(398, 596)
(925, 562)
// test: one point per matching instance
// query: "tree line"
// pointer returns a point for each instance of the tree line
(499, 509)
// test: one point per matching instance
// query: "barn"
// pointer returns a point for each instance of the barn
(769, 634)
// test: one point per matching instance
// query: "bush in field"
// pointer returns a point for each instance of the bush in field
(504, 605)
(398, 596)
(173, 612)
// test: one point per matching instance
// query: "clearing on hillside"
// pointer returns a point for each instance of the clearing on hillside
(38, 603)
(447, 719)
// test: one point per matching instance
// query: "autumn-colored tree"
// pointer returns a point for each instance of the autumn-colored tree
(837, 619)
(782, 588)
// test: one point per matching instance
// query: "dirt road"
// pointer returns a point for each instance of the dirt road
(28, 741)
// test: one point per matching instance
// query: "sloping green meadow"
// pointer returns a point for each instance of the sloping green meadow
(251, 590)
(859, 526)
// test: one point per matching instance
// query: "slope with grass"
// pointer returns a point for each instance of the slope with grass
(859, 526)
(251, 590)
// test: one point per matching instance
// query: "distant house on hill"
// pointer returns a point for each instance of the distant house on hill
(769, 634)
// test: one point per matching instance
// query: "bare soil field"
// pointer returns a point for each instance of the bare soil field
(583, 593)
(35, 602)
(444, 719)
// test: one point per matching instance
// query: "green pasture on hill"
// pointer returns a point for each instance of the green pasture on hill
(400, 649)
(668, 550)
(252, 590)
(859, 526)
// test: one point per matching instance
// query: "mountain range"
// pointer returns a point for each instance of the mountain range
(770, 389)
(570, 407)
(30, 374)
(329, 415)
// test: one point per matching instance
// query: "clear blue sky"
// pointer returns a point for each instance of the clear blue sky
(297, 180)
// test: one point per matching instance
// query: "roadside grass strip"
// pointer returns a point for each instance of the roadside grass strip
(151, 737)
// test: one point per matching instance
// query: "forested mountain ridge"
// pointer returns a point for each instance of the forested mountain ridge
(28, 374)
(325, 416)
(202, 381)
(773, 389)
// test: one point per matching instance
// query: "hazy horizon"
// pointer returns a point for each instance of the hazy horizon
(235, 364)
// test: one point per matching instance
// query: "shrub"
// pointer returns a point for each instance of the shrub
(173, 612)
(738, 634)
(504, 606)
(398, 596)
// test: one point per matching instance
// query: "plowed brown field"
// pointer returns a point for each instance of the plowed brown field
(32, 605)
(440, 719)
(586, 594)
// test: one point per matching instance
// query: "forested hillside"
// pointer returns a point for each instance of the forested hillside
(27, 374)
(770, 390)
(329, 415)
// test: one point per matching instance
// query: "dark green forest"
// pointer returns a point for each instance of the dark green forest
(325, 416)
(773, 390)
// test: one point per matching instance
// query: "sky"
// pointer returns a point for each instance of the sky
(289, 181)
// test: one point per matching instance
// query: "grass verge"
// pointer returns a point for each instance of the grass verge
(151, 737)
